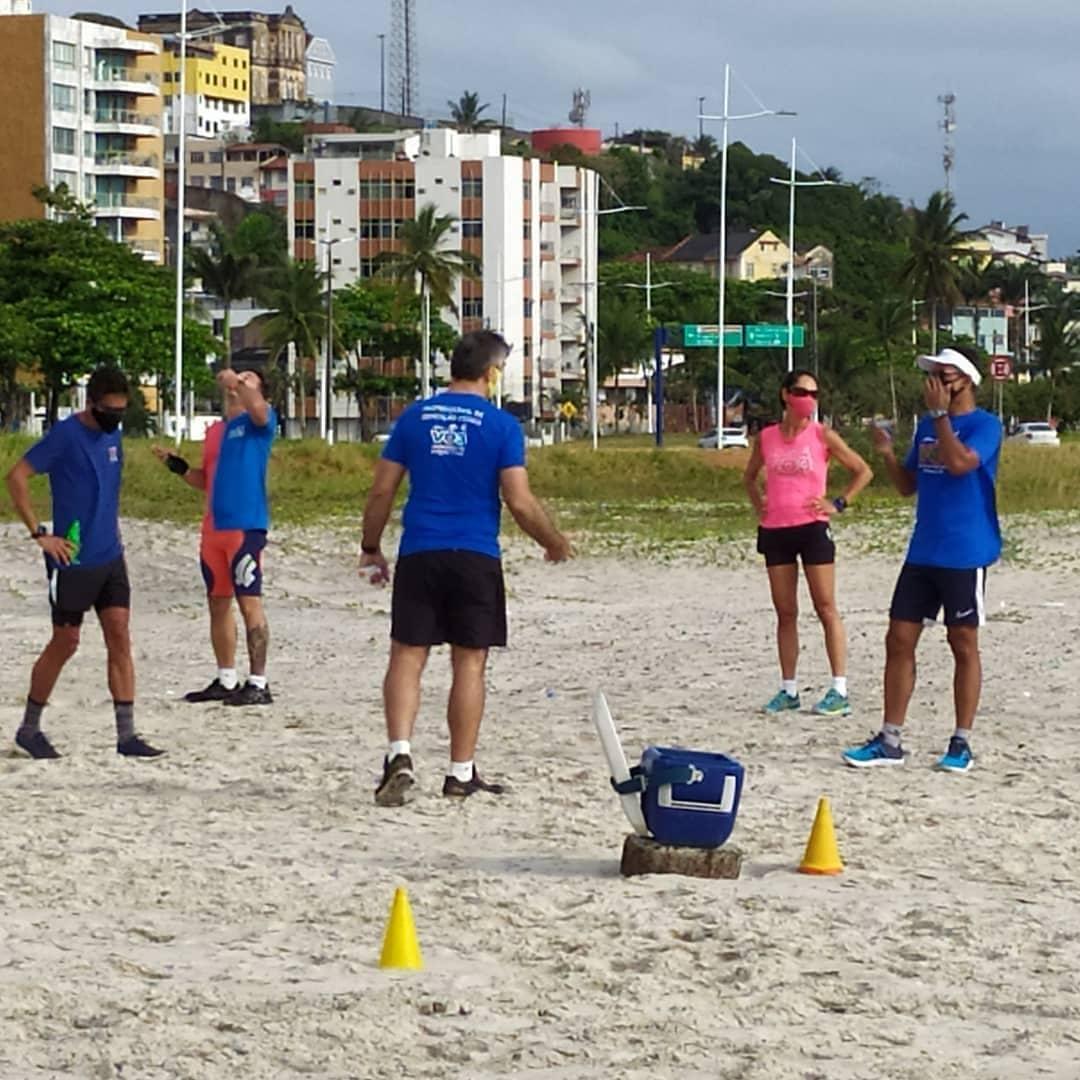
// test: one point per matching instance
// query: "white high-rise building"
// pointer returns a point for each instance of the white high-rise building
(532, 223)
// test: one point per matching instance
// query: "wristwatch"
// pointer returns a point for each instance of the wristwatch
(41, 530)
(840, 503)
(937, 414)
(368, 550)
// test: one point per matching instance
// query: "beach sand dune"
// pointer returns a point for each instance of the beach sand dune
(219, 913)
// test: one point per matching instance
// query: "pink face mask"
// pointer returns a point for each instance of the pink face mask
(802, 407)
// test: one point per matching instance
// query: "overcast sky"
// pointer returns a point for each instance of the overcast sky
(864, 76)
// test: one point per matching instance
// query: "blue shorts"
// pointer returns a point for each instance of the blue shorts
(922, 591)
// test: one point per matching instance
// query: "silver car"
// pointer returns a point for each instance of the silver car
(1035, 433)
(733, 436)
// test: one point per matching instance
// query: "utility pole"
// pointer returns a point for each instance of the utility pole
(701, 118)
(382, 73)
(504, 113)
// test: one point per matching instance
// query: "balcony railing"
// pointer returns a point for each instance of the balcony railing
(126, 116)
(126, 74)
(547, 208)
(107, 200)
(569, 211)
(125, 158)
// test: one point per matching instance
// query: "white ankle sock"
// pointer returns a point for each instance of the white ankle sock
(228, 678)
(963, 733)
(398, 746)
(258, 681)
(790, 687)
(461, 770)
(839, 684)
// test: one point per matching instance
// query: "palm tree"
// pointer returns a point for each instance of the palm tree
(705, 146)
(1015, 285)
(890, 317)
(1059, 338)
(225, 273)
(424, 260)
(976, 280)
(930, 269)
(465, 112)
(297, 316)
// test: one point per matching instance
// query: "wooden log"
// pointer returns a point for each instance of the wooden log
(643, 855)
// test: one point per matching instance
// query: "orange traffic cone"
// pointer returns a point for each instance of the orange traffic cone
(400, 947)
(821, 855)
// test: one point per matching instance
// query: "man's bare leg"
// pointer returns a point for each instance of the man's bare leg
(61, 648)
(401, 704)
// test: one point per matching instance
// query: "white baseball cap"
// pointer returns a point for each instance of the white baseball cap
(952, 358)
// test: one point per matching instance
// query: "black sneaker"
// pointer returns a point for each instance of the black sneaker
(395, 788)
(135, 747)
(36, 745)
(249, 694)
(214, 692)
(453, 788)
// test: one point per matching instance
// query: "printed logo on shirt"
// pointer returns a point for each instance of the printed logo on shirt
(238, 432)
(114, 454)
(930, 456)
(794, 464)
(451, 439)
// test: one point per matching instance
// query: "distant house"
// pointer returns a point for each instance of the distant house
(815, 261)
(752, 255)
(1009, 243)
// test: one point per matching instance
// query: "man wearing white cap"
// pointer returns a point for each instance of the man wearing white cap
(951, 468)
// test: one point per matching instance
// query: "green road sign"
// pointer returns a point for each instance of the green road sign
(774, 336)
(704, 336)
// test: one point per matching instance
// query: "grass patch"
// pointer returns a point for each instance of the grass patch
(625, 492)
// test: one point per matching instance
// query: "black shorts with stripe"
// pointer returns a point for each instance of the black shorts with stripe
(74, 590)
(449, 596)
(922, 591)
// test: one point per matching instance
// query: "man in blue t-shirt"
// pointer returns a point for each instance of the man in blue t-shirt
(951, 468)
(233, 475)
(461, 453)
(84, 558)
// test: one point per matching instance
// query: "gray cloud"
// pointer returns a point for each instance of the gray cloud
(863, 75)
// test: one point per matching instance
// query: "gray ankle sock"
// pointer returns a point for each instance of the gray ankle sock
(892, 734)
(31, 723)
(125, 720)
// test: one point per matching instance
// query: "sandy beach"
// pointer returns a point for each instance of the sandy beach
(219, 913)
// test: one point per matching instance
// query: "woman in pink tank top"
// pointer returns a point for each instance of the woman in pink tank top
(793, 513)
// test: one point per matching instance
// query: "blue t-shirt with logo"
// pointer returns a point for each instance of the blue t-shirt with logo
(239, 496)
(956, 522)
(84, 466)
(454, 446)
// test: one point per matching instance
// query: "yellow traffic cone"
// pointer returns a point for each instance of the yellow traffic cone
(400, 947)
(822, 856)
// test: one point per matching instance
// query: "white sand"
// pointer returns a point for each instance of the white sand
(219, 913)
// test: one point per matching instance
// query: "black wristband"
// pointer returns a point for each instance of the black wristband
(366, 550)
(840, 503)
(175, 463)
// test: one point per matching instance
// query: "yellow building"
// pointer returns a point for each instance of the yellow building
(217, 88)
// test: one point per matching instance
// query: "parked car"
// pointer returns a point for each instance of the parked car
(733, 436)
(1035, 433)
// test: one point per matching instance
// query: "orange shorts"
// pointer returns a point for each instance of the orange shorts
(231, 561)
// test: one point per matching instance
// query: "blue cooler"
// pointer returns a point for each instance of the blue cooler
(689, 797)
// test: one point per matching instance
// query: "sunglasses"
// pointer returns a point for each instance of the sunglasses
(803, 391)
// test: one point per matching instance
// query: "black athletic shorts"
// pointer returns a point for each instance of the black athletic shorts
(74, 590)
(449, 596)
(812, 543)
(922, 591)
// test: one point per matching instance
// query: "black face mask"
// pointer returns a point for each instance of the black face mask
(106, 419)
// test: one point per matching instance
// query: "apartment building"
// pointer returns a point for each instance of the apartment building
(532, 223)
(277, 44)
(321, 63)
(216, 88)
(233, 166)
(82, 107)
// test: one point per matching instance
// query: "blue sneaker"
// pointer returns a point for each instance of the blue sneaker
(832, 704)
(782, 701)
(958, 758)
(873, 753)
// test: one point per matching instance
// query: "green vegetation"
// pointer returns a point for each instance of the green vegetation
(625, 494)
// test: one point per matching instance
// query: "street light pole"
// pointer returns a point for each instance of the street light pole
(382, 73)
(181, 179)
(726, 117)
(791, 183)
(701, 119)
(648, 290)
(326, 419)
